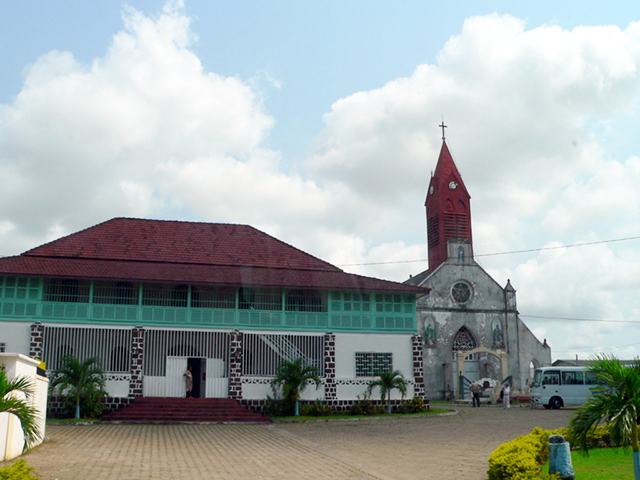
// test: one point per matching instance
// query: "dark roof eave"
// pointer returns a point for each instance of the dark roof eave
(195, 274)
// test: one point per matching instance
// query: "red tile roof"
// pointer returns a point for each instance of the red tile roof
(186, 252)
(180, 242)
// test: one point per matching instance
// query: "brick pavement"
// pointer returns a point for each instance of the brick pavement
(452, 447)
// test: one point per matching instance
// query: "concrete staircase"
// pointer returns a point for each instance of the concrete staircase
(184, 410)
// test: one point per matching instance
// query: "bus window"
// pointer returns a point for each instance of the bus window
(551, 378)
(590, 378)
(572, 378)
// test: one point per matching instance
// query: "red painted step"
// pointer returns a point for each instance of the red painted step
(183, 410)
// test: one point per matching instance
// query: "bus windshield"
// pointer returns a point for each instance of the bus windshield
(536, 379)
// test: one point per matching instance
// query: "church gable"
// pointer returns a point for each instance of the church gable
(464, 287)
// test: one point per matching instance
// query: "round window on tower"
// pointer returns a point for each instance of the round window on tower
(461, 292)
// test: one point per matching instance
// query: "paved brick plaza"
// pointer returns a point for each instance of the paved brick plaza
(453, 447)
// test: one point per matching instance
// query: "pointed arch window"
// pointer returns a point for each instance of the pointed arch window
(463, 341)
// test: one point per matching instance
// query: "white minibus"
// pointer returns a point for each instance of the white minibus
(556, 387)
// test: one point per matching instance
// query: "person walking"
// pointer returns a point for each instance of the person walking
(475, 393)
(506, 393)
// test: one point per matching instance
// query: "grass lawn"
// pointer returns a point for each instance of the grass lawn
(602, 464)
(303, 418)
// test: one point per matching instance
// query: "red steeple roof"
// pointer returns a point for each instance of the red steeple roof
(448, 208)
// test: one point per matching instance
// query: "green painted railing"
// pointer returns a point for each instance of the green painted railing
(22, 299)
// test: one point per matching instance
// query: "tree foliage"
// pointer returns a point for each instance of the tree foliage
(293, 377)
(21, 408)
(387, 382)
(618, 405)
(80, 381)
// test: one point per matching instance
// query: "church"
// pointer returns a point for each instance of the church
(469, 322)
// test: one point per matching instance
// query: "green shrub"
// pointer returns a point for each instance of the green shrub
(20, 470)
(599, 437)
(316, 409)
(523, 457)
(275, 407)
(362, 406)
(91, 404)
(415, 405)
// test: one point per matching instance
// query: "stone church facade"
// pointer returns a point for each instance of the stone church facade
(469, 322)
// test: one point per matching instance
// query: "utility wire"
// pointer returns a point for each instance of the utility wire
(597, 349)
(580, 319)
(499, 253)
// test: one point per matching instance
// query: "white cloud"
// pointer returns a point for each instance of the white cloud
(82, 143)
(144, 130)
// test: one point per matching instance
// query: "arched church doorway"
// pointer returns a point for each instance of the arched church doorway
(464, 341)
(533, 365)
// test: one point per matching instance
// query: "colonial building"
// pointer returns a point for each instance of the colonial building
(150, 298)
(469, 322)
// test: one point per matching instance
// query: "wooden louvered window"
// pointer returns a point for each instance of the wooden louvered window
(432, 231)
(456, 220)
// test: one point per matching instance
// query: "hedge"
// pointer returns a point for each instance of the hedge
(523, 457)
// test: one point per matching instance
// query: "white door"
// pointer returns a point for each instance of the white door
(217, 383)
(172, 384)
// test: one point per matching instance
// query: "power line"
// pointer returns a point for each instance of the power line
(596, 349)
(559, 246)
(499, 253)
(580, 319)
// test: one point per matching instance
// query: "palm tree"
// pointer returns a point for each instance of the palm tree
(388, 381)
(293, 377)
(27, 414)
(77, 380)
(619, 405)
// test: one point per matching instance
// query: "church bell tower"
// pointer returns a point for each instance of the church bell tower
(448, 212)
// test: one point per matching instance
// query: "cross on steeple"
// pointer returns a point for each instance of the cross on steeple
(443, 126)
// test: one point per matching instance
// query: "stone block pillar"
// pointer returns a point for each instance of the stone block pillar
(330, 390)
(418, 365)
(36, 345)
(137, 360)
(235, 365)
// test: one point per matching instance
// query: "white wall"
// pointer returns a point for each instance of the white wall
(16, 336)
(350, 387)
(117, 388)
(11, 434)
(347, 344)
(260, 387)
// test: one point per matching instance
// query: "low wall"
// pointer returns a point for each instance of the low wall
(11, 434)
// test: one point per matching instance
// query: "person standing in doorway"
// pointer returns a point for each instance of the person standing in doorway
(475, 393)
(506, 392)
(188, 378)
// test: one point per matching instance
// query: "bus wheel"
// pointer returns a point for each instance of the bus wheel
(555, 403)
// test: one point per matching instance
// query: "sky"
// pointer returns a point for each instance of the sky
(317, 122)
